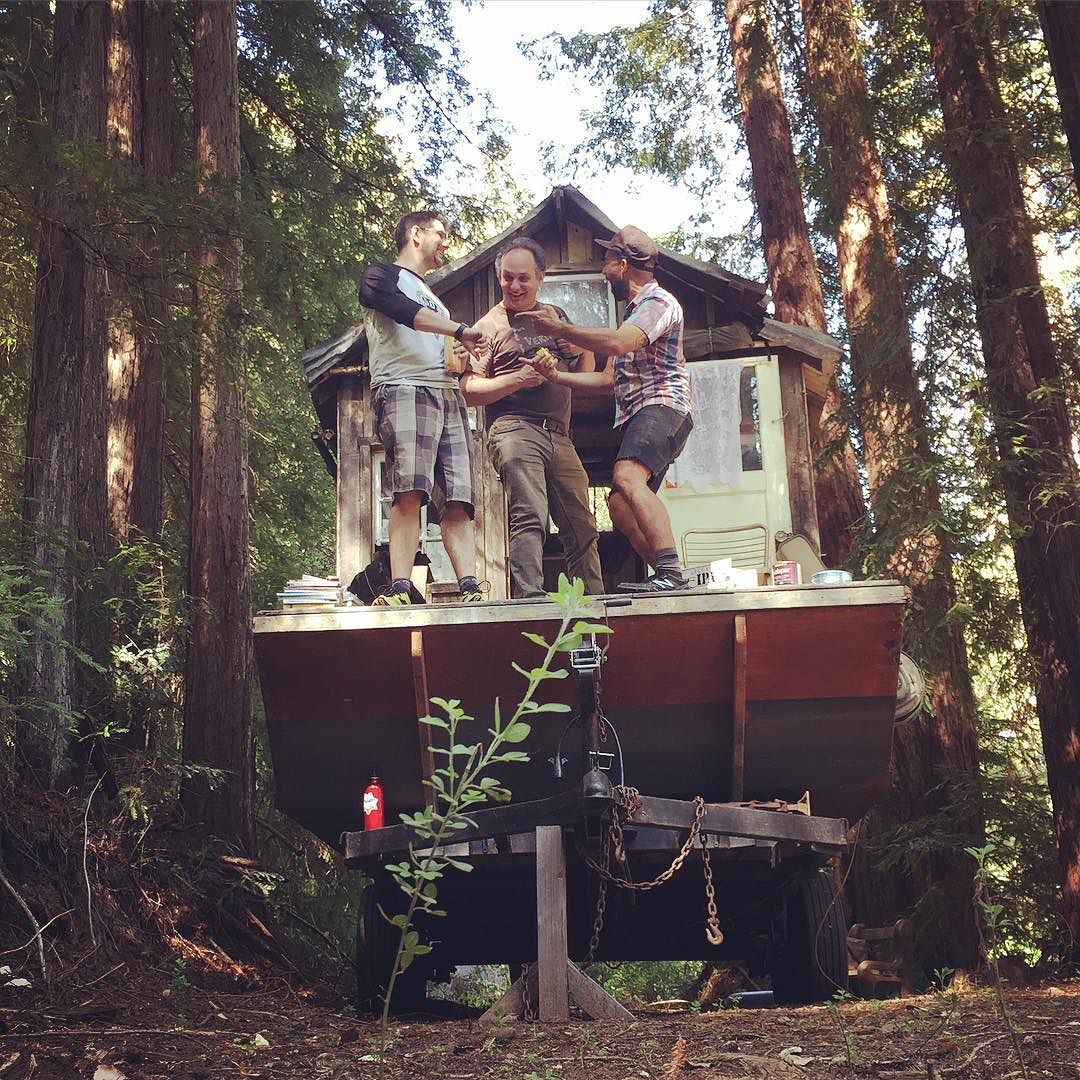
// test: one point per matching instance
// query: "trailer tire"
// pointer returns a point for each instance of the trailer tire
(376, 945)
(811, 964)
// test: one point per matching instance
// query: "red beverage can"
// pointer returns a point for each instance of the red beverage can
(787, 573)
(373, 804)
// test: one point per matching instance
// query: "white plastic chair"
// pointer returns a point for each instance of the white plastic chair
(747, 546)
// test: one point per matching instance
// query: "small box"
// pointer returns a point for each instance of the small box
(444, 592)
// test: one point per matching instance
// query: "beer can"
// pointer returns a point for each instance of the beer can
(787, 573)
(454, 364)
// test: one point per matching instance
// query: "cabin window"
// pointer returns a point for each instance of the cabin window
(725, 444)
(749, 420)
(586, 298)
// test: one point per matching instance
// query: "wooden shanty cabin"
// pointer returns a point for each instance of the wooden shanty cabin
(784, 694)
(746, 476)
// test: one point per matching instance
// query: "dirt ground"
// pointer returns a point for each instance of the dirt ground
(161, 1025)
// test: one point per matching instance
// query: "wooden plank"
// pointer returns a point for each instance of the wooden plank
(493, 563)
(728, 820)
(551, 923)
(798, 451)
(420, 690)
(580, 249)
(592, 998)
(738, 713)
(560, 217)
(352, 496)
(564, 808)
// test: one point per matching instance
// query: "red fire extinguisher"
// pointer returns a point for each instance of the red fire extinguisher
(373, 804)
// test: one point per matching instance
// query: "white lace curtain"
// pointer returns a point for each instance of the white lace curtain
(713, 453)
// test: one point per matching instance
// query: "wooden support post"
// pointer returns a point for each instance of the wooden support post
(553, 979)
(738, 713)
(798, 449)
(355, 428)
(420, 692)
(551, 922)
(591, 998)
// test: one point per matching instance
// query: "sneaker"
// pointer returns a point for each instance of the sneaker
(392, 599)
(475, 596)
(655, 584)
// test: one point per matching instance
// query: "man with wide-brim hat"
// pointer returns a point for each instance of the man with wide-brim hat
(652, 398)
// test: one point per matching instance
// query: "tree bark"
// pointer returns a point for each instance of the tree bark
(217, 703)
(1026, 394)
(139, 128)
(64, 481)
(1060, 21)
(793, 273)
(939, 747)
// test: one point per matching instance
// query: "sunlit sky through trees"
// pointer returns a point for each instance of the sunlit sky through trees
(536, 111)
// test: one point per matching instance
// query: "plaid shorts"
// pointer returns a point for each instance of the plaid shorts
(425, 433)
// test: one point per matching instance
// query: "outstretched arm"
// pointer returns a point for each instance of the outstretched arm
(596, 382)
(597, 339)
(379, 291)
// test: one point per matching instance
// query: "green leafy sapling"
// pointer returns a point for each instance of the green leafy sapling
(461, 781)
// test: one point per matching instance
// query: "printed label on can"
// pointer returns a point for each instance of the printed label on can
(787, 573)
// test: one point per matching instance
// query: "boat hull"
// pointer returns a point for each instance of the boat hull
(343, 690)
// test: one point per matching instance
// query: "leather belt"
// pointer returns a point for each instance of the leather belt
(547, 424)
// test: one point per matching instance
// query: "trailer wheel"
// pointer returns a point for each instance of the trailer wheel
(811, 964)
(376, 944)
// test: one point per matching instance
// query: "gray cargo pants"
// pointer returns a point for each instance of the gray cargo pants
(543, 475)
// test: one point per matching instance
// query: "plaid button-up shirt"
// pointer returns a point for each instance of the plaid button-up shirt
(656, 373)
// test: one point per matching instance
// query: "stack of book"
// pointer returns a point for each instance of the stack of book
(310, 593)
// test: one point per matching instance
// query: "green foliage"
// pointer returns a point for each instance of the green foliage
(29, 610)
(461, 781)
(638, 982)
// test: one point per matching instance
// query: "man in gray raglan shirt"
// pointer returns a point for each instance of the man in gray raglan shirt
(420, 413)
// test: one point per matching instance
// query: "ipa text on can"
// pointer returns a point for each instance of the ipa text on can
(787, 573)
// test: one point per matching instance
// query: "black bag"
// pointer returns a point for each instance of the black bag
(375, 579)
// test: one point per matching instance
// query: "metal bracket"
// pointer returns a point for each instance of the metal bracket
(587, 656)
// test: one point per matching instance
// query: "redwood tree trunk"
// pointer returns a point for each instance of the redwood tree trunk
(793, 273)
(217, 702)
(1061, 31)
(123, 114)
(138, 103)
(64, 485)
(938, 747)
(157, 162)
(1025, 390)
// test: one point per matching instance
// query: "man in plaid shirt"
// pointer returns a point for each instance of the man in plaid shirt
(652, 398)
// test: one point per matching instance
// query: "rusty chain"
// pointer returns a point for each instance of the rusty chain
(627, 801)
(601, 901)
(713, 933)
(527, 1010)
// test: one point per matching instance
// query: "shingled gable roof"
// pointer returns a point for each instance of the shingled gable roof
(741, 296)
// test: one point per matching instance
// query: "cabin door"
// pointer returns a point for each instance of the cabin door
(733, 472)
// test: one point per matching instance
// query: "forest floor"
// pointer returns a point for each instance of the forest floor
(159, 1024)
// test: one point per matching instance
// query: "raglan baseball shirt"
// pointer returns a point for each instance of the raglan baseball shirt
(390, 296)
